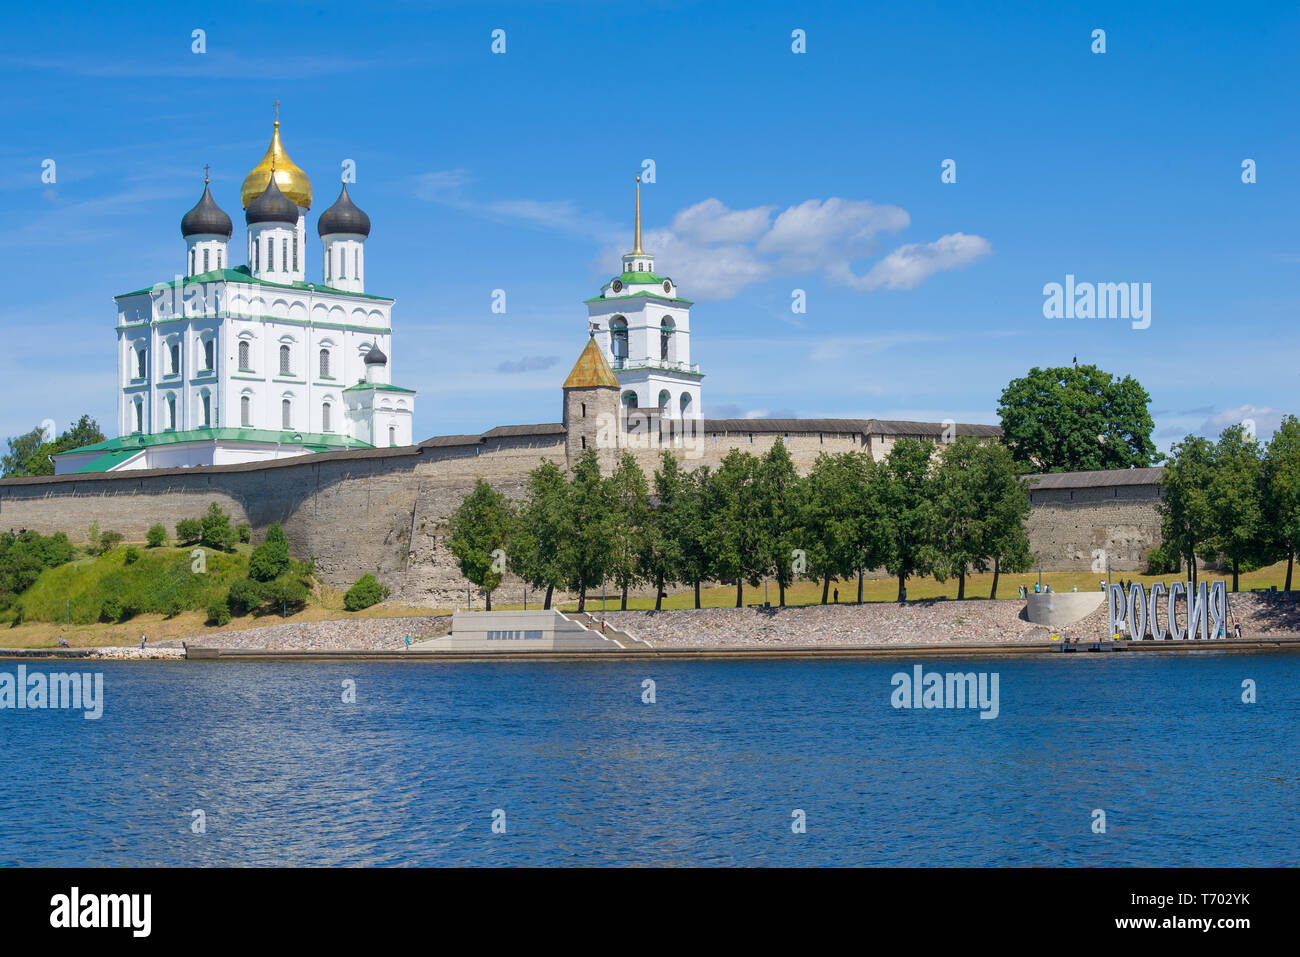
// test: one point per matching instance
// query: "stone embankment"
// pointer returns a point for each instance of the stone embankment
(350, 634)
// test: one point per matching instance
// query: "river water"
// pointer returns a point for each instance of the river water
(573, 766)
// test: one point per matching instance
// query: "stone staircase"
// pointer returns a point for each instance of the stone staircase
(593, 622)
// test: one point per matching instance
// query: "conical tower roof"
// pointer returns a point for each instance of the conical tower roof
(591, 370)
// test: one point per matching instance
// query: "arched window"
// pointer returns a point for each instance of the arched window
(221, 259)
(584, 410)
(257, 256)
(192, 262)
(284, 360)
(685, 403)
(142, 362)
(286, 414)
(139, 415)
(329, 262)
(209, 354)
(270, 254)
(243, 356)
(666, 329)
(324, 363)
(245, 411)
(343, 264)
(325, 417)
(207, 410)
(629, 399)
(392, 435)
(205, 260)
(295, 251)
(356, 263)
(664, 399)
(171, 412)
(284, 253)
(618, 340)
(175, 351)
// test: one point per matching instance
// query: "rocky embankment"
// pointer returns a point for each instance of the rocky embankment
(351, 634)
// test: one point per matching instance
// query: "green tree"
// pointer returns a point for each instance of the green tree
(156, 536)
(731, 530)
(365, 592)
(957, 515)
(533, 551)
(632, 530)
(679, 541)
(1186, 516)
(216, 530)
(29, 453)
(831, 511)
(1236, 500)
(1281, 488)
(477, 537)
(270, 559)
(1072, 419)
(777, 490)
(902, 503)
(189, 530)
(1005, 510)
(587, 549)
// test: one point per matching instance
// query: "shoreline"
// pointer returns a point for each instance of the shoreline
(1247, 645)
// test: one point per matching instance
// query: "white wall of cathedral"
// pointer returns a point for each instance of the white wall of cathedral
(186, 369)
(381, 418)
(631, 332)
(276, 253)
(205, 253)
(344, 261)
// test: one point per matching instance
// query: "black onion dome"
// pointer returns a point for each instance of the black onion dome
(271, 207)
(343, 217)
(375, 357)
(206, 218)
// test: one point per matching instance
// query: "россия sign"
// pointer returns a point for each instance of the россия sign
(1139, 616)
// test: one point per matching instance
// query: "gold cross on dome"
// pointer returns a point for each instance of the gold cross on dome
(277, 112)
(206, 168)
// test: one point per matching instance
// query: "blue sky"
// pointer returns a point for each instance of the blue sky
(775, 171)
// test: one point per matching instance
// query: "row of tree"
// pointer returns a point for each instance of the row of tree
(1235, 500)
(751, 519)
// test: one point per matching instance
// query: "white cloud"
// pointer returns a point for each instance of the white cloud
(908, 266)
(1264, 419)
(712, 222)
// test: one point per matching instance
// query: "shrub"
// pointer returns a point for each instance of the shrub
(132, 555)
(1163, 560)
(216, 530)
(156, 536)
(109, 540)
(189, 531)
(245, 533)
(366, 592)
(270, 559)
(288, 594)
(218, 611)
(245, 596)
(111, 609)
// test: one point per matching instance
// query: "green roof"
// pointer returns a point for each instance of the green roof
(642, 295)
(114, 451)
(378, 387)
(639, 278)
(244, 275)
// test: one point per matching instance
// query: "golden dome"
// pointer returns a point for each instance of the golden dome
(292, 181)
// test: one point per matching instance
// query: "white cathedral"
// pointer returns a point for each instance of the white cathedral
(248, 363)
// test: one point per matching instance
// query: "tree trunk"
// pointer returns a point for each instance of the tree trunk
(1290, 560)
(902, 587)
(961, 585)
(550, 589)
(740, 593)
(860, 574)
(697, 594)
(623, 605)
(781, 587)
(1234, 574)
(659, 591)
(826, 587)
(994, 592)
(582, 599)
(488, 604)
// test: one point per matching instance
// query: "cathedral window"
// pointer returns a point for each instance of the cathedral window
(171, 412)
(245, 411)
(666, 329)
(270, 255)
(392, 435)
(221, 259)
(618, 340)
(176, 358)
(207, 409)
(325, 417)
(284, 360)
(243, 357)
(324, 363)
(139, 416)
(142, 363)
(286, 414)
(191, 262)
(284, 254)
(356, 263)
(295, 252)
(343, 265)
(257, 257)
(209, 354)
(205, 260)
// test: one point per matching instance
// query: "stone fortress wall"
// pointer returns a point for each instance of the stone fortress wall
(385, 511)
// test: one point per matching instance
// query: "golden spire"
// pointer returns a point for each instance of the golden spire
(636, 246)
(293, 182)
